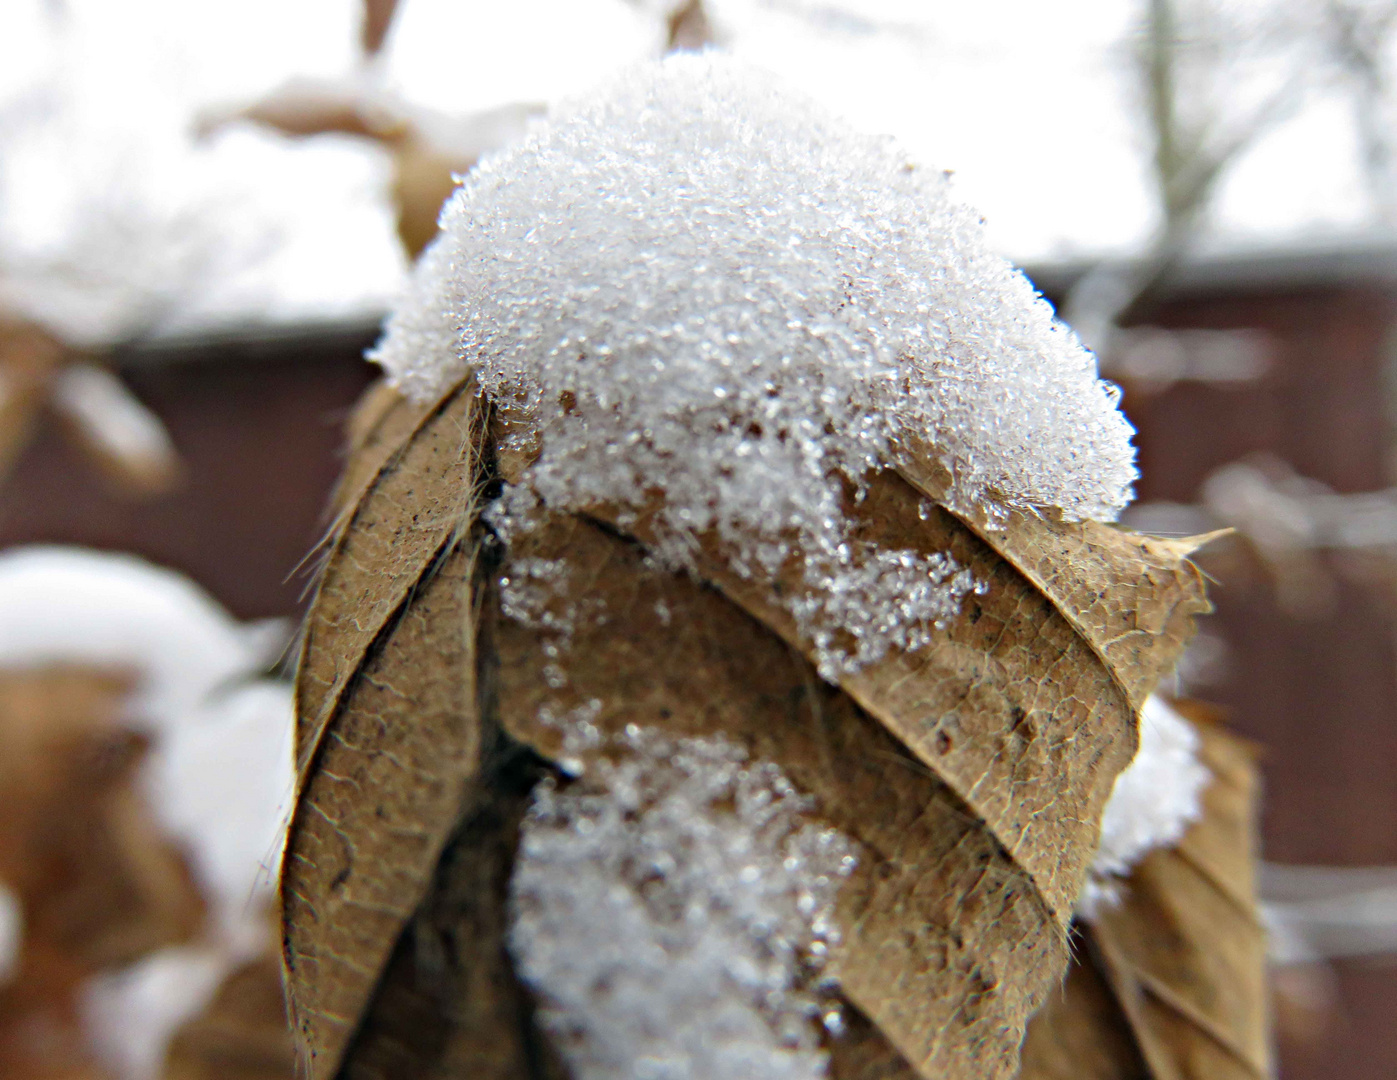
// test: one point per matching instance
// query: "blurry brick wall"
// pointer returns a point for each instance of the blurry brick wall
(1319, 692)
(259, 426)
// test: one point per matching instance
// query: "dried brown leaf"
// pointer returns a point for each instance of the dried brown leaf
(377, 809)
(948, 946)
(1184, 950)
(1081, 1033)
(449, 1004)
(100, 884)
(413, 509)
(378, 18)
(378, 430)
(1176, 970)
(971, 773)
(29, 358)
(423, 179)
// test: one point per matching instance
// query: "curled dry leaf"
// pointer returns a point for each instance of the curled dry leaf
(103, 418)
(969, 773)
(29, 358)
(1170, 984)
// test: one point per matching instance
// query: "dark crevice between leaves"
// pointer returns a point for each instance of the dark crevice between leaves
(449, 1003)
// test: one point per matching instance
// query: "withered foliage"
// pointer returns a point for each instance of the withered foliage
(241, 1034)
(1169, 984)
(40, 374)
(970, 773)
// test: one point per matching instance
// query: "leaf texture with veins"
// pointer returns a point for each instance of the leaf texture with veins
(970, 773)
(1170, 982)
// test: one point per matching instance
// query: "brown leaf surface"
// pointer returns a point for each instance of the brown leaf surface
(1081, 1033)
(1177, 968)
(377, 809)
(1133, 597)
(29, 358)
(413, 508)
(449, 1004)
(377, 431)
(970, 773)
(993, 705)
(948, 946)
(1184, 950)
(99, 883)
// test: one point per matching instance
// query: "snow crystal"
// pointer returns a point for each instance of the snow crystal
(715, 280)
(579, 730)
(1154, 801)
(673, 913)
(698, 285)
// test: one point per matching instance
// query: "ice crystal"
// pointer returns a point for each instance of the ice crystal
(534, 593)
(697, 287)
(1152, 804)
(893, 599)
(673, 913)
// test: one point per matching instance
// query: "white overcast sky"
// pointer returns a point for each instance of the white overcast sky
(1026, 102)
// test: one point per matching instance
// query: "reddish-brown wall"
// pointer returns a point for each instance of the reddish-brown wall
(1318, 692)
(260, 434)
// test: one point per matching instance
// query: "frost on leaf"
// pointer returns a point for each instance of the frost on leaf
(673, 913)
(1154, 801)
(698, 296)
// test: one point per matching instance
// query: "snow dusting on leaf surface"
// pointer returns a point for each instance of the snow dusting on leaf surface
(1155, 800)
(673, 912)
(700, 295)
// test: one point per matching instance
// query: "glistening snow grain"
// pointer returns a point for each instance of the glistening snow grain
(673, 913)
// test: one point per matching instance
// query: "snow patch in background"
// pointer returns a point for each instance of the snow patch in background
(117, 222)
(1029, 103)
(61, 604)
(466, 56)
(130, 1015)
(219, 775)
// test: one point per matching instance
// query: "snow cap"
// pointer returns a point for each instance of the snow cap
(696, 281)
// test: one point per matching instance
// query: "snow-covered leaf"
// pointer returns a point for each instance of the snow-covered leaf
(539, 559)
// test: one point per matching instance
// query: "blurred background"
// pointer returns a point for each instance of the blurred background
(205, 210)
